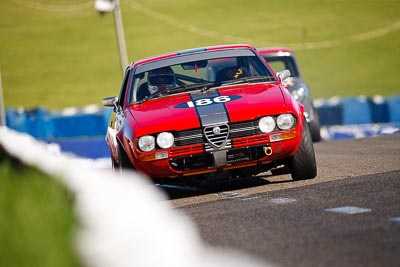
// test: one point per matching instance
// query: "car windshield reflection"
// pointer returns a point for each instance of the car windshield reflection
(199, 74)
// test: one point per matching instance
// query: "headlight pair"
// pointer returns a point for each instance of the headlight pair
(148, 142)
(283, 121)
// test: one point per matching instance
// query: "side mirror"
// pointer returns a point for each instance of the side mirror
(283, 75)
(111, 101)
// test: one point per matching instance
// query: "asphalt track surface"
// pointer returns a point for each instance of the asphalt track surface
(349, 215)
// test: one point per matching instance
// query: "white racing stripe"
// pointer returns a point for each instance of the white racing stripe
(125, 221)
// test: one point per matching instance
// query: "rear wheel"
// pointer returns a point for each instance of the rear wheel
(315, 127)
(302, 165)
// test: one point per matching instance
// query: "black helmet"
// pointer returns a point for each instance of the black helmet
(161, 79)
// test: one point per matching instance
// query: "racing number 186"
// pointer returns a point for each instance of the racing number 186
(208, 101)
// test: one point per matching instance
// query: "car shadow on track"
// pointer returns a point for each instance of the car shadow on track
(212, 187)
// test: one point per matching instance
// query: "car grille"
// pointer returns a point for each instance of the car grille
(190, 137)
(244, 129)
(217, 135)
(211, 140)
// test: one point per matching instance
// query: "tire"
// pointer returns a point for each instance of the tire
(303, 165)
(315, 128)
(115, 165)
(124, 162)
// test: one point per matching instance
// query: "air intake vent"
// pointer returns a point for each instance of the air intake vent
(217, 135)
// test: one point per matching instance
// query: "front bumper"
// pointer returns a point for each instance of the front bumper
(198, 159)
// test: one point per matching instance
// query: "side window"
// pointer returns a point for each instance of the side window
(257, 67)
(124, 89)
(277, 65)
(138, 87)
(282, 63)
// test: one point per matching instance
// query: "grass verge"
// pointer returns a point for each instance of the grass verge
(37, 223)
(60, 53)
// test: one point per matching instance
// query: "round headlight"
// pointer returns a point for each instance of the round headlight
(165, 140)
(266, 124)
(285, 121)
(146, 143)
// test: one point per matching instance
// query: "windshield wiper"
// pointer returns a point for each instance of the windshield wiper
(156, 94)
(249, 79)
(188, 87)
(179, 89)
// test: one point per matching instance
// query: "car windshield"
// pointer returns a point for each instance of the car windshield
(201, 71)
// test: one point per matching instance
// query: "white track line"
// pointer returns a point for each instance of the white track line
(54, 7)
(125, 221)
(360, 37)
(185, 26)
(373, 34)
(376, 33)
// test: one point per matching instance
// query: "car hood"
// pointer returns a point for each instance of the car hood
(222, 105)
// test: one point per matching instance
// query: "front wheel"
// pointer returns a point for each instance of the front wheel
(124, 162)
(302, 164)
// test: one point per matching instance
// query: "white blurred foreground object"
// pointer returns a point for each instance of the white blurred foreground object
(125, 221)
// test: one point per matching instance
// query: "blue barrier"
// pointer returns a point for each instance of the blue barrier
(79, 125)
(93, 148)
(394, 108)
(330, 111)
(43, 124)
(35, 122)
(379, 108)
(356, 110)
(82, 131)
(337, 132)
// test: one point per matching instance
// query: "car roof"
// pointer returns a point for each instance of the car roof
(274, 50)
(190, 51)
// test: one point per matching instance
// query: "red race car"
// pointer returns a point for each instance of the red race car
(208, 113)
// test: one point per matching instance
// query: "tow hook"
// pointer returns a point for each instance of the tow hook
(267, 150)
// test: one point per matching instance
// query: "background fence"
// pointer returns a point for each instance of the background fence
(82, 131)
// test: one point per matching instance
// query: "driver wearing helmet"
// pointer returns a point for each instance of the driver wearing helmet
(161, 79)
